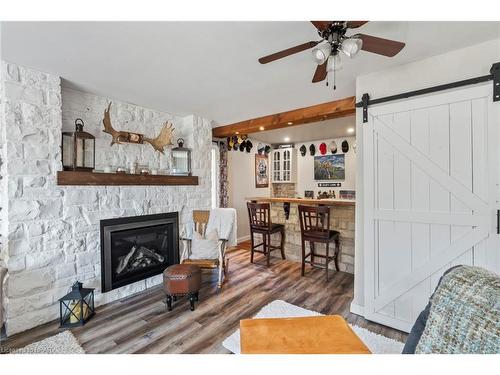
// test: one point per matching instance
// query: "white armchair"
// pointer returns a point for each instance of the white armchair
(202, 220)
(3, 273)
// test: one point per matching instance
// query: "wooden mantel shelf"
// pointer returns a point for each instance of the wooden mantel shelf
(104, 179)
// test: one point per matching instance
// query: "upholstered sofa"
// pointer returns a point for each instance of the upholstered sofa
(462, 316)
(3, 273)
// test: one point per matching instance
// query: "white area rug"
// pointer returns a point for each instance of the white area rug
(377, 344)
(62, 343)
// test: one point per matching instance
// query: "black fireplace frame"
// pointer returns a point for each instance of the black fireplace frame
(108, 226)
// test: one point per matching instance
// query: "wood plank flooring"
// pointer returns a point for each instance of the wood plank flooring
(141, 323)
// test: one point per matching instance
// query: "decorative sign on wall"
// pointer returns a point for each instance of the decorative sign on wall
(261, 171)
(329, 167)
(120, 136)
(329, 184)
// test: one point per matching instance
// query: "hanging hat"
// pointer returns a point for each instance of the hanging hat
(235, 143)
(312, 149)
(267, 150)
(345, 147)
(243, 144)
(229, 143)
(303, 150)
(333, 147)
(249, 146)
(322, 148)
(261, 148)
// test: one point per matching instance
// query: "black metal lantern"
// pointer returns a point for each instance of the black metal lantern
(77, 307)
(181, 159)
(78, 149)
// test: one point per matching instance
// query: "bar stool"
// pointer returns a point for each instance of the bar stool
(315, 227)
(259, 215)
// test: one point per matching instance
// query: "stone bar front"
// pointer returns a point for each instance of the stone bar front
(341, 219)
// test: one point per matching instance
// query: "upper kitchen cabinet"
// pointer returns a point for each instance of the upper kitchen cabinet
(284, 165)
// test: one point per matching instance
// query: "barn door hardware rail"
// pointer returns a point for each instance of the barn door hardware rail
(493, 76)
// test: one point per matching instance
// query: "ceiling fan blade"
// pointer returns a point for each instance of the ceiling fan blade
(320, 73)
(380, 46)
(287, 52)
(322, 25)
(355, 24)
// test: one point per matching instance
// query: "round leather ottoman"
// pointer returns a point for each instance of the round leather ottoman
(182, 280)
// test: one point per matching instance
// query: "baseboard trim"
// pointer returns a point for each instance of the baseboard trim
(243, 238)
(357, 309)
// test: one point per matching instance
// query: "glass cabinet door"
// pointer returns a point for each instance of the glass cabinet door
(276, 165)
(286, 165)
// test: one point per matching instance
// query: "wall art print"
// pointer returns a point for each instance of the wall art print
(261, 171)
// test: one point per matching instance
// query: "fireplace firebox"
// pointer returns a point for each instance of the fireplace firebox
(137, 247)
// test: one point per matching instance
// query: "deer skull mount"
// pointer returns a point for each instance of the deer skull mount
(119, 136)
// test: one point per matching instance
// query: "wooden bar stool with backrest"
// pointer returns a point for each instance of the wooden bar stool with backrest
(315, 227)
(260, 222)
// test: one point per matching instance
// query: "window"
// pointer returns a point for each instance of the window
(215, 175)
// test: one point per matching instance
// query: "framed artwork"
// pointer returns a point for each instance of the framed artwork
(329, 167)
(347, 194)
(261, 171)
(309, 194)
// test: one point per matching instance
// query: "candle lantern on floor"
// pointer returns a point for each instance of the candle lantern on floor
(77, 307)
(78, 149)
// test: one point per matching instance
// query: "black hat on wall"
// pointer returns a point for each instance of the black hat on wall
(249, 146)
(303, 150)
(345, 147)
(312, 149)
(243, 145)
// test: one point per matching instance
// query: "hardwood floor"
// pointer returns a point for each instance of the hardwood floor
(142, 324)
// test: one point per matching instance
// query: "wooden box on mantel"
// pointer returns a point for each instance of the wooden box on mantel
(116, 179)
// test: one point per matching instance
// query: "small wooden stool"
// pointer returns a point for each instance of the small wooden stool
(182, 280)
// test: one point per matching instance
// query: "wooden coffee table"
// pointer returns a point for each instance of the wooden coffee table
(329, 334)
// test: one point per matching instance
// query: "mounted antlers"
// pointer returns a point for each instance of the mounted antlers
(163, 139)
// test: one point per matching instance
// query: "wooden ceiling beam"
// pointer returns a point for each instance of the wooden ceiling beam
(319, 112)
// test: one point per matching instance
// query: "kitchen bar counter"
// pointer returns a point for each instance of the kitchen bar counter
(342, 218)
(311, 201)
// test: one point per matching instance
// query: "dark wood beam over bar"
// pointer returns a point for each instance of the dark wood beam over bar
(338, 108)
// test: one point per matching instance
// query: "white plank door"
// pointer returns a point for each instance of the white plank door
(431, 195)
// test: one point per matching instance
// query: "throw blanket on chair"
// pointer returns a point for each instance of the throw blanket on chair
(464, 315)
(223, 220)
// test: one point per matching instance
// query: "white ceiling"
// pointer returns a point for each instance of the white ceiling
(334, 128)
(211, 68)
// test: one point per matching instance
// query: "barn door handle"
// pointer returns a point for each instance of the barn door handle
(498, 221)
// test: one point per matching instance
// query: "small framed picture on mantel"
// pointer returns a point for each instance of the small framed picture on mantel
(261, 171)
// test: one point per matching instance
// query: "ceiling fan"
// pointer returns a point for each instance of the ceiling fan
(326, 52)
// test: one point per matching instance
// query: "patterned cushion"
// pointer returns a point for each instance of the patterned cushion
(464, 314)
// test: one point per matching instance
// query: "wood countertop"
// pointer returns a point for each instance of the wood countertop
(323, 202)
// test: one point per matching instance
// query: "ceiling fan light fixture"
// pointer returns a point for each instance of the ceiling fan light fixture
(321, 53)
(334, 63)
(351, 47)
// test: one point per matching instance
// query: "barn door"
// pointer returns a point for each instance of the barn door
(430, 168)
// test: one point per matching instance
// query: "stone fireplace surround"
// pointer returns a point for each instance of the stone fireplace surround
(50, 233)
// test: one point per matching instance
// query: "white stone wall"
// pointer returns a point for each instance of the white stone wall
(52, 232)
